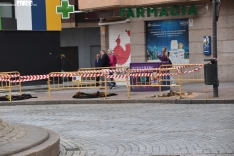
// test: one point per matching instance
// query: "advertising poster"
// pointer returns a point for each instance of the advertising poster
(170, 33)
(153, 80)
(207, 45)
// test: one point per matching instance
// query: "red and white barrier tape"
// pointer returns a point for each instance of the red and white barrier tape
(22, 80)
(140, 74)
(89, 72)
(114, 70)
(4, 80)
(63, 75)
(9, 76)
(107, 76)
(92, 75)
(181, 67)
(117, 76)
(191, 71)
(140, 70)
(36, 77)
(101, 71)
(164, 74)
(104, 72)
(134, 74)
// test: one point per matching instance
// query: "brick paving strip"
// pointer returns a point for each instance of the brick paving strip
(226, 96)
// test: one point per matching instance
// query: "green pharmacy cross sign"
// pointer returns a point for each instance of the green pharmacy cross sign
(65, 9)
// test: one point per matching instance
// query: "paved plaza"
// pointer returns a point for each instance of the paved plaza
(133, 129)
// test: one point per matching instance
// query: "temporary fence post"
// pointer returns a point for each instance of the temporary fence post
(105, 87)
(205, 88)
(58, 80)
(159, 79)
(78, 85)
(10, 89)
(48, 87)
(180, 85)
(63, 78)
(128, 89)
(20, 88)
(20, 85)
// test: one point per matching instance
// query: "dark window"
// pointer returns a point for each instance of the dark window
(7, 8)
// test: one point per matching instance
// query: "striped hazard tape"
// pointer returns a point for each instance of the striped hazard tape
(96, 73)
(117, 76)
(114, 70)
(35, 77)
(92, 75)
(9, 76)
(22, 80)
(64, 75)
(4, 80)
(140, 74)
(191, 71)
(89, 72)
(164, 74)
(134, 74)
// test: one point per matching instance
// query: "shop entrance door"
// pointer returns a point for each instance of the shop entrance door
(69, 59)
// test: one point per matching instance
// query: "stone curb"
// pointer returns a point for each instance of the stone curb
(128, 101)
(27, 89)
(50, 147)
(34, 137)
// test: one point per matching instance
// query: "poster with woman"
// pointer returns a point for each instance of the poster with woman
(170, 33)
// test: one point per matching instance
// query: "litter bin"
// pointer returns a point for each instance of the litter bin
(209, 74)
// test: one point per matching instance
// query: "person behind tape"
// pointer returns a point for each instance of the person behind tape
(105, 63)
(113, 62)
(97, 64)
(165, 57)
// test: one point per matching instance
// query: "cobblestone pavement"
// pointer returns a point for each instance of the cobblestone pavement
(134, 129)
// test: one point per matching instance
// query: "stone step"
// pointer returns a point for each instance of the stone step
(51, 147)
(10, 133)
(37, 142)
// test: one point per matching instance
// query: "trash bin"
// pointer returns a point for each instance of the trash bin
(209, 74)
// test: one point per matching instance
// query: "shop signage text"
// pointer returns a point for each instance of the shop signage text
(175, 10)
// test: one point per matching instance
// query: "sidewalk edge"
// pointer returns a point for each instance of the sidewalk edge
(127, 101)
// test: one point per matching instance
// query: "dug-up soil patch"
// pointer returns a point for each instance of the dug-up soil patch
(175, 94)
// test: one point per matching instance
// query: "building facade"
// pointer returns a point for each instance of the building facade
(137, 30)
(30, 36)
(80, 40)
(36, 40)
(36, 15)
